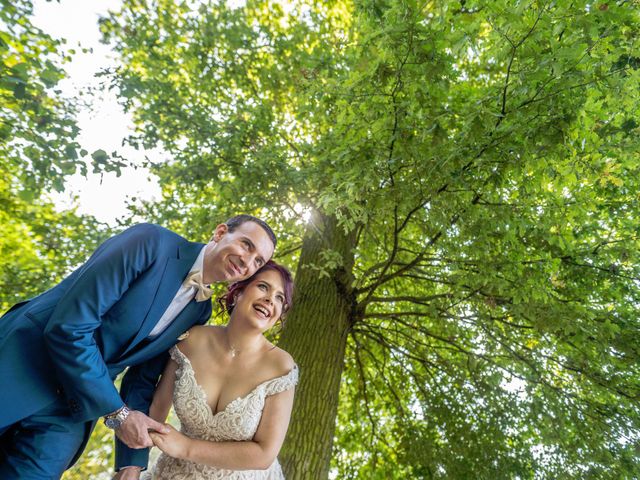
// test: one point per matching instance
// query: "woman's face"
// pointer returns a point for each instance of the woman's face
(262, 301)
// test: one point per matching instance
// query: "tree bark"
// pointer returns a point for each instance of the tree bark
(315, 335)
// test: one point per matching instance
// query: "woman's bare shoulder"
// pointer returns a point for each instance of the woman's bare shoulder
(280, 361)
(199, 337)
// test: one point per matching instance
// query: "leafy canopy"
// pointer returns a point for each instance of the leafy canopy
(481, 158)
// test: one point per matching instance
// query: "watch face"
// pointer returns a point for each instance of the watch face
(112, 423)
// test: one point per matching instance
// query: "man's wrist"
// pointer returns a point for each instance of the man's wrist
(115, 412)
(116, 419)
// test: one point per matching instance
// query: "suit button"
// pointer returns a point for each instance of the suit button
(74, 405)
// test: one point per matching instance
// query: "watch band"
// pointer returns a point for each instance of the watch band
(116, 419)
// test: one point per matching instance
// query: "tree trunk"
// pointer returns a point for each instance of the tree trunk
(316, 335)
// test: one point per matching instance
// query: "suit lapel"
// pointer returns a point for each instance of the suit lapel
(174, 273)
(187, 318)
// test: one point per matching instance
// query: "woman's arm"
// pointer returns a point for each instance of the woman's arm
(163, 395)
(257, 454)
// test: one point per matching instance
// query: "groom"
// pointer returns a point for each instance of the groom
(125, 307)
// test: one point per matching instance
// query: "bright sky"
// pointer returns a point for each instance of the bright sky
(104, 124)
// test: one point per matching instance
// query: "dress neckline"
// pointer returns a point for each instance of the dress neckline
(203, 393)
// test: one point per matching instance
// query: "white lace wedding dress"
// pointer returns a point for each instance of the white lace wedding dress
(237, 422)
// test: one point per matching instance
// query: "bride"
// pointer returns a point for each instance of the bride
(232, 390)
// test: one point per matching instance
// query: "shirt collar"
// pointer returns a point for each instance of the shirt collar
(199, 263)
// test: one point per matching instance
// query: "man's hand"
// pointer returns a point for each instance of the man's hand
(128, 473)
(134, 432)
(172, 443)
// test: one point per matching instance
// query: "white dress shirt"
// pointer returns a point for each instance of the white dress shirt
(183, 296)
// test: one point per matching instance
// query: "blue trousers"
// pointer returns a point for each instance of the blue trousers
(43, 445)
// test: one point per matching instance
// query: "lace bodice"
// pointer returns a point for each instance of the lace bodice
(237, 422)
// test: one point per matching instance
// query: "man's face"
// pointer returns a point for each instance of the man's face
(236, 255)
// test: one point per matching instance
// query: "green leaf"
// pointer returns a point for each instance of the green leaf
(19, 90)
(100, 156)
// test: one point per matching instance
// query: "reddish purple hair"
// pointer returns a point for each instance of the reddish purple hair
(227, 300)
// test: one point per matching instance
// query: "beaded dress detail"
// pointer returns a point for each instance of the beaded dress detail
(237, 422)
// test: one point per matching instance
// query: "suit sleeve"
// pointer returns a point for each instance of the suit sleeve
(137, 388)
(69, 332)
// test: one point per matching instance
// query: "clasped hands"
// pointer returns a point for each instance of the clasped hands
(141, 431)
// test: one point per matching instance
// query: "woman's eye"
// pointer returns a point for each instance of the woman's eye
(280, 299)
(262, 286)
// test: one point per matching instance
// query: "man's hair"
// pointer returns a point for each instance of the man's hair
(235, 222)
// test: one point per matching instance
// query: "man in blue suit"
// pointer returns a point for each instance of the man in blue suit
(125, 307)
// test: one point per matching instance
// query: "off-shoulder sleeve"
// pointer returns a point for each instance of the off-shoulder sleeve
(283, 383)
(177, 356)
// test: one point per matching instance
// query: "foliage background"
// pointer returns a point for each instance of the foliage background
(455, 183)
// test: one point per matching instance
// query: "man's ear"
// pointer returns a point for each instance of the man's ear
(219, 232)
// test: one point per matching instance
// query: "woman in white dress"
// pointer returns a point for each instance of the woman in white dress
(232, 390)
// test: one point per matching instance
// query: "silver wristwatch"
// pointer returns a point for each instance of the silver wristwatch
(116, 419)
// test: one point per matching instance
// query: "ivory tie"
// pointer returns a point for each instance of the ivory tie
(194, 279)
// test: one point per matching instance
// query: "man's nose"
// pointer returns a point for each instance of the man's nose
(250, 260)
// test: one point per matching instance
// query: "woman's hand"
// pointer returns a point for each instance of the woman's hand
(129, 473)
(174, 443)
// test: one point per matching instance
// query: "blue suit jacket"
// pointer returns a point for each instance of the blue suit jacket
(74, 339)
